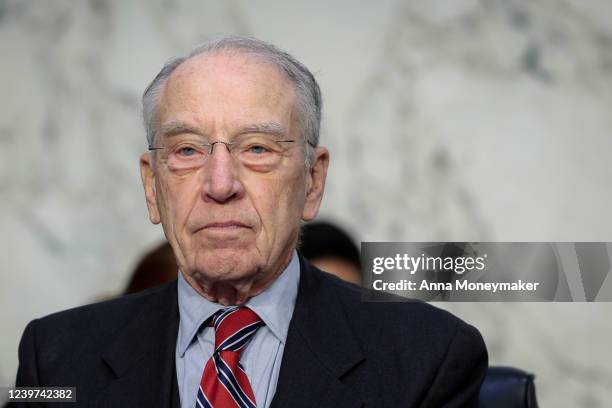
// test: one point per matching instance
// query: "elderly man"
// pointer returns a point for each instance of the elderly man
(234, 168)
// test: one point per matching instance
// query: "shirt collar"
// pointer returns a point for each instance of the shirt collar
(274, 305)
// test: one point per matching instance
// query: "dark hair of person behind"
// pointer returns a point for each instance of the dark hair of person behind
(323, 239)
(157, 267)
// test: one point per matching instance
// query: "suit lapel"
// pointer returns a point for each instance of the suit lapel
(320, 349)
(142, 358)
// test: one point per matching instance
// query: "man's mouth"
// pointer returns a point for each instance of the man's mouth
(225, 225)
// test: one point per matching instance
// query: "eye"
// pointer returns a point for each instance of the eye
(257, 149)
(186, 151)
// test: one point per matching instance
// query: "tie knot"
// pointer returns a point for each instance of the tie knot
(234, 328)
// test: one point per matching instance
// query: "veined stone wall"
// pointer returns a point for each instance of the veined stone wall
(446, 120)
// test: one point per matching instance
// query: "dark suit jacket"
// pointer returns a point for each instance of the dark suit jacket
(340, 352)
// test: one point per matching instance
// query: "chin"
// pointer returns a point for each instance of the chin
(227, 264)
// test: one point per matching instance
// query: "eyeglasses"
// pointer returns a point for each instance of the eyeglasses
(260, 152)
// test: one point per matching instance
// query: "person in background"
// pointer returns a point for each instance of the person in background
(331, 249)
(156, 267)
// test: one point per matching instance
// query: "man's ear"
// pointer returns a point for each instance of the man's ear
(315, 183)
(147, 175)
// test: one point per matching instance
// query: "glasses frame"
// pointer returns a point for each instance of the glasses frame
(229, 146)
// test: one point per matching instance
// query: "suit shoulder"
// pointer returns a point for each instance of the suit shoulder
(99, 318)
(58, 348)
(393, 314)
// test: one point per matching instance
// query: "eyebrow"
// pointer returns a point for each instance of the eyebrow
(174, 128)
(271, 128)
(177, 127)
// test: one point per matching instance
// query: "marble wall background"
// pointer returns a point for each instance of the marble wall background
(447, 120)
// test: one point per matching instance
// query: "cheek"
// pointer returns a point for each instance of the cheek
(176, 201)
(279, 203)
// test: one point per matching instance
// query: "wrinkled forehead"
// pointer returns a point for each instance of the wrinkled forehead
(229, 76)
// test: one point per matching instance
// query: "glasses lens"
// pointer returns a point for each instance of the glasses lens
(184, 155)
(259, 151)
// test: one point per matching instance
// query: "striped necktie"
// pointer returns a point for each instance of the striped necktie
(224, 383)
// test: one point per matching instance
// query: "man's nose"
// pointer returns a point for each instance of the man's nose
(221, 182)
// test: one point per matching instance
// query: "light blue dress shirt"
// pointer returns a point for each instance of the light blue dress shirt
(261, 358)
